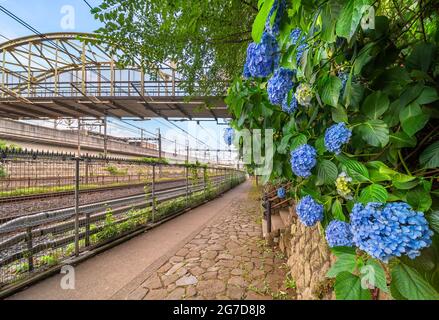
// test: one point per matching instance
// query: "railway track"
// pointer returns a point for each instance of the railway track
(72, 192)
(161, 187)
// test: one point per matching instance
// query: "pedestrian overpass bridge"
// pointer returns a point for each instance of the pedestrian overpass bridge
(71, 75)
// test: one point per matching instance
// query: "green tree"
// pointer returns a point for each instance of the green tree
(206, 39)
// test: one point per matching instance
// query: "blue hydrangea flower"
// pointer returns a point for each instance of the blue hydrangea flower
(262, 58)
(303, 159)
(338, 234)
(246, 72)
(279, 84)
(343, 76)
(336, 136)
(389, 230)
(294, 36)
(281, 193)
(309, 211)
(229, 135)
(289, 107)
(279, 7)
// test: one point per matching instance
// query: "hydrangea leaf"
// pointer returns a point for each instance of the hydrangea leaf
(350, 18)
(411, 284)
(337, 251)
(429, 158)
(373, 193)
(337, 211)
(330, 90)
(433, 219)
(339, 114)
(326, 172)
(412, 118)
(375, 104)
(374, 132)
(379, 275)
(419, 199)
(356, 170)
(345, 262)
(348, 287)
(261, 18)
(428, 95)
(402, 140)
(421, 56)
(297, 141)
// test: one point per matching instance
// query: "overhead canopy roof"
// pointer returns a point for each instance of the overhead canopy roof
(63, 75)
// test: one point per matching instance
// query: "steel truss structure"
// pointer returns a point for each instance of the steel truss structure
(71, 75)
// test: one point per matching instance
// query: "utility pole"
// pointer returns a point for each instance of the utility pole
(160, 143)
(105, 138)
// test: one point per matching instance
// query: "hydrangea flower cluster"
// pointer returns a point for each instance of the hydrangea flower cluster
(303, 159)
(289, 107)
(309, 211)
(281, 193)
(336, 136)
(343, 76)
(278, 6)
(304, 94)
(262, 58)
(338, 234)
(389, 230)
(279, 84)
(294, 36)
(342, 185)
(229, 135)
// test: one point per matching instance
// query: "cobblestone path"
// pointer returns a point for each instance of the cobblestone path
(226, 260)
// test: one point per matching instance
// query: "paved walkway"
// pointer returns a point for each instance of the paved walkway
(212, 252)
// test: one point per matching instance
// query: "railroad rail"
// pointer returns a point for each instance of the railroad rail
(28, 240)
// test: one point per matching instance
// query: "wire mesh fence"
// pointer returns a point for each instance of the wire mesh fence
(106, 199)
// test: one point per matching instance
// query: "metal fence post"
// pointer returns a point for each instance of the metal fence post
(204, 181)
(30, 258)
(153, 193)
(187, 185)
(77, 177)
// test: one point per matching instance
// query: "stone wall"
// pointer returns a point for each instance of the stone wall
(308, 259)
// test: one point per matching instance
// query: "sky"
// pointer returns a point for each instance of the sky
(50, 16)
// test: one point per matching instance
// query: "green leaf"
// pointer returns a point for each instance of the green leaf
(297, 141)
(375, 104)
(419, 199)
(356, 170)
(339, 114)
(429, 158)
(330, 91)
(412, 118)
(261, 18)
(326, 172)
(428, 95)
(350, 18)
(337, 211)
(348, 287)
(345, 262)
(374, 132)
(338, 251)
(373, 193)
(433, 219)
(411, 285)
(320, 145)
(282, 148)
(421, 57)
(379, 275)
(402, 140)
